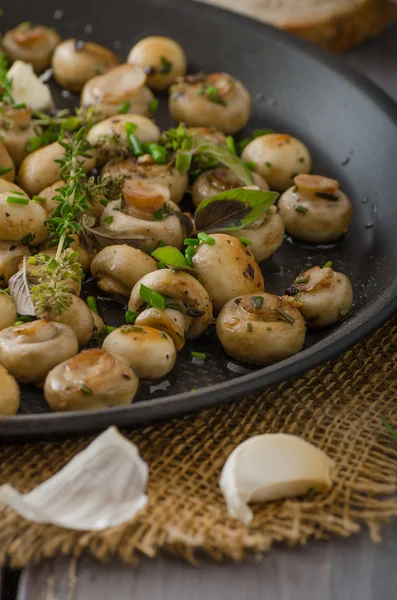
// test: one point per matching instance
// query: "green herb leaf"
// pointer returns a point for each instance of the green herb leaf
(201, 355)
(109, 219)
(183, 161)
(124, 107)
(245, 241)
(257, 301)
(224, 155)
(153, 105)
(129, 316)
(165, 66)
(96, 238)
(86, 390)
(4, 170)
(329, 263)
(133, 141)
(170, 256)
(205, 238)
(91, 302)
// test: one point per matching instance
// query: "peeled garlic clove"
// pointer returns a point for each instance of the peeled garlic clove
(270, 467)
(102, 486)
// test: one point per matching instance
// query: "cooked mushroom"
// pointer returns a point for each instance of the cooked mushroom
(84, 322)
(217, 100)
(7, 186)
(322, 295)
(118, 268)
(93, 379)
(227, 268)
(75, 62)
(10, 394)
(145, 211)
(315, 209)
(8, 312)
(260, 329)
(109, 137)
(31, 350)
(215, 181)
(188, 308)
(39, 169)
(265, 235)
(7, 168)
(16, 128)
(279, 158)
(209, 133)
(121, 89)
(147, 169)
(150, 352)
(11, 255)
(33, 44)
(21, 219)
(163, 59)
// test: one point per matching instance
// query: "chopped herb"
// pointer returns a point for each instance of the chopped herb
(251, 165)
(205, 238)
(191, 250)
(108, 219)
(158, 215)
(20, 105)
(301, 209)
(125, 107)
(91, 302)
(268, 164)
(230, 143)
(201, 355)
(86, 390)
(346, 309)
(157, 152)
(129, 328)
(161, 265)
(191, 242)
(17, 200)
(189, 261)
(284, 316)
(256, 133)
(165, 66)
(325, 196)
(153, 105)
(28, 239)
(170, 256)
(183, 161)
(108, 329)
(244, 241)
(211, 92)
(257, 301)
(129, 316)
(104, 201)
(249, 327)
(302, 279)
(133, 141)
(4, 170)
(268, 328)
(301, 159)
(329, 263)
(163, 335)
(38, 199)
(151, 297)
(25, 319)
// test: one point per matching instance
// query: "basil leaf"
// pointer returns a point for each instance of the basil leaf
(96, 238)
(20, 286)
(223, 155)
(170, 256)
(232, 210)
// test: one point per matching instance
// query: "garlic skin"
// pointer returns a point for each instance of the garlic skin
(270, 467)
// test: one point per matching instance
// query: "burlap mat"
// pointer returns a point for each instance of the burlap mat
(337, 407)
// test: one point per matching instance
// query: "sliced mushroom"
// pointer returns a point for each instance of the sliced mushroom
(7, 186)
(162, 58)
(10, 394)
(260, 329)
(266, 234)
(11, 254)
(93, 379)
(7, 167)
(33, 44)
(21, 221)
(150, 352)
(31, 350)
(147, 169)
(217, 100)
(16, 128)
(227, 268)
(215, 181)
(279, 158)
(75, 62)
(209, 133)
(84, 322)
(8, 312)
(315, 209)
(109, 137)
(118, 268)
(121, 89)
(183, 293)
(39, 169)
(322, 295)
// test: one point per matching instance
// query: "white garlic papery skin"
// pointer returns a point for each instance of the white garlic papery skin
(102, 486)
(270, 467)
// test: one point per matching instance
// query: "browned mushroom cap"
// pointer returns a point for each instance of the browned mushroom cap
(315, 210)
(93, 379)
(118, 268)
(215, 181)
(260, 329)
(84, 322)
(7, 167)
(31, 350)
(10, 395)
(216, 100)
(33, 44)
(11, 254)
(322, 295)
(16, 128)
(75, 62)
(19, 220)
(227, 268)
(150, 352)
(171, 321)
(162, 58)
(8, 312)
(182, 289)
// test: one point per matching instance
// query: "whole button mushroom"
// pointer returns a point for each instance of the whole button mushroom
(260, 329)
(162, 58)
(75, 62)
(322, 295)
(118, 268)
(7, 186)
(16, 128)
(79, 317)
(228, 268)
(29, 351)
(33, 44)
(10, 394)
(215, 181)
(315, 209)
(150, 352)
(7, 168)
(279, 158)
(21, 219)
(217, 100)
(120, 90)
(93, 379)
(8, 312)
(11, 254)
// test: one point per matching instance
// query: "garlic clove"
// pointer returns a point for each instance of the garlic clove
(28, 88)
(270, 467)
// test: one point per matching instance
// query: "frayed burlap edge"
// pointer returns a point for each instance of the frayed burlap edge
(337, 406)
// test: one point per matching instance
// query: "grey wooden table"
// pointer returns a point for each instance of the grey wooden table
(351, 569)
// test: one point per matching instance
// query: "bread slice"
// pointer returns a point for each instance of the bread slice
(333, 24)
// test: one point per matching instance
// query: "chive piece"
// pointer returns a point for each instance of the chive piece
(27, 239)
(151, 297)
(158, 215)
(157, 152)
(4, 170)
(301, 159)
(108, 329)
(257, 301)
(346, 309)
(163, 335)
(153, 105)
(165, 66)
(108, 219)
(301, 209)
(302, 279)
(329, 263)
(104, 201)
(20, 105)
(18, 323)
(133, 140)
(284, 316)
(183, 161)
(249, 327)
(125, 107)
(190, 251)
(191, 242)
(199, 355)
(17, 200)
(251, 165)
(244, 241)
(325, 196)
(129, 316)
(189, 261)
(25, 319)
(268, 164)
(86, 390)
(207, 239)
(230, 143)
(91, 302)
(38, 199)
